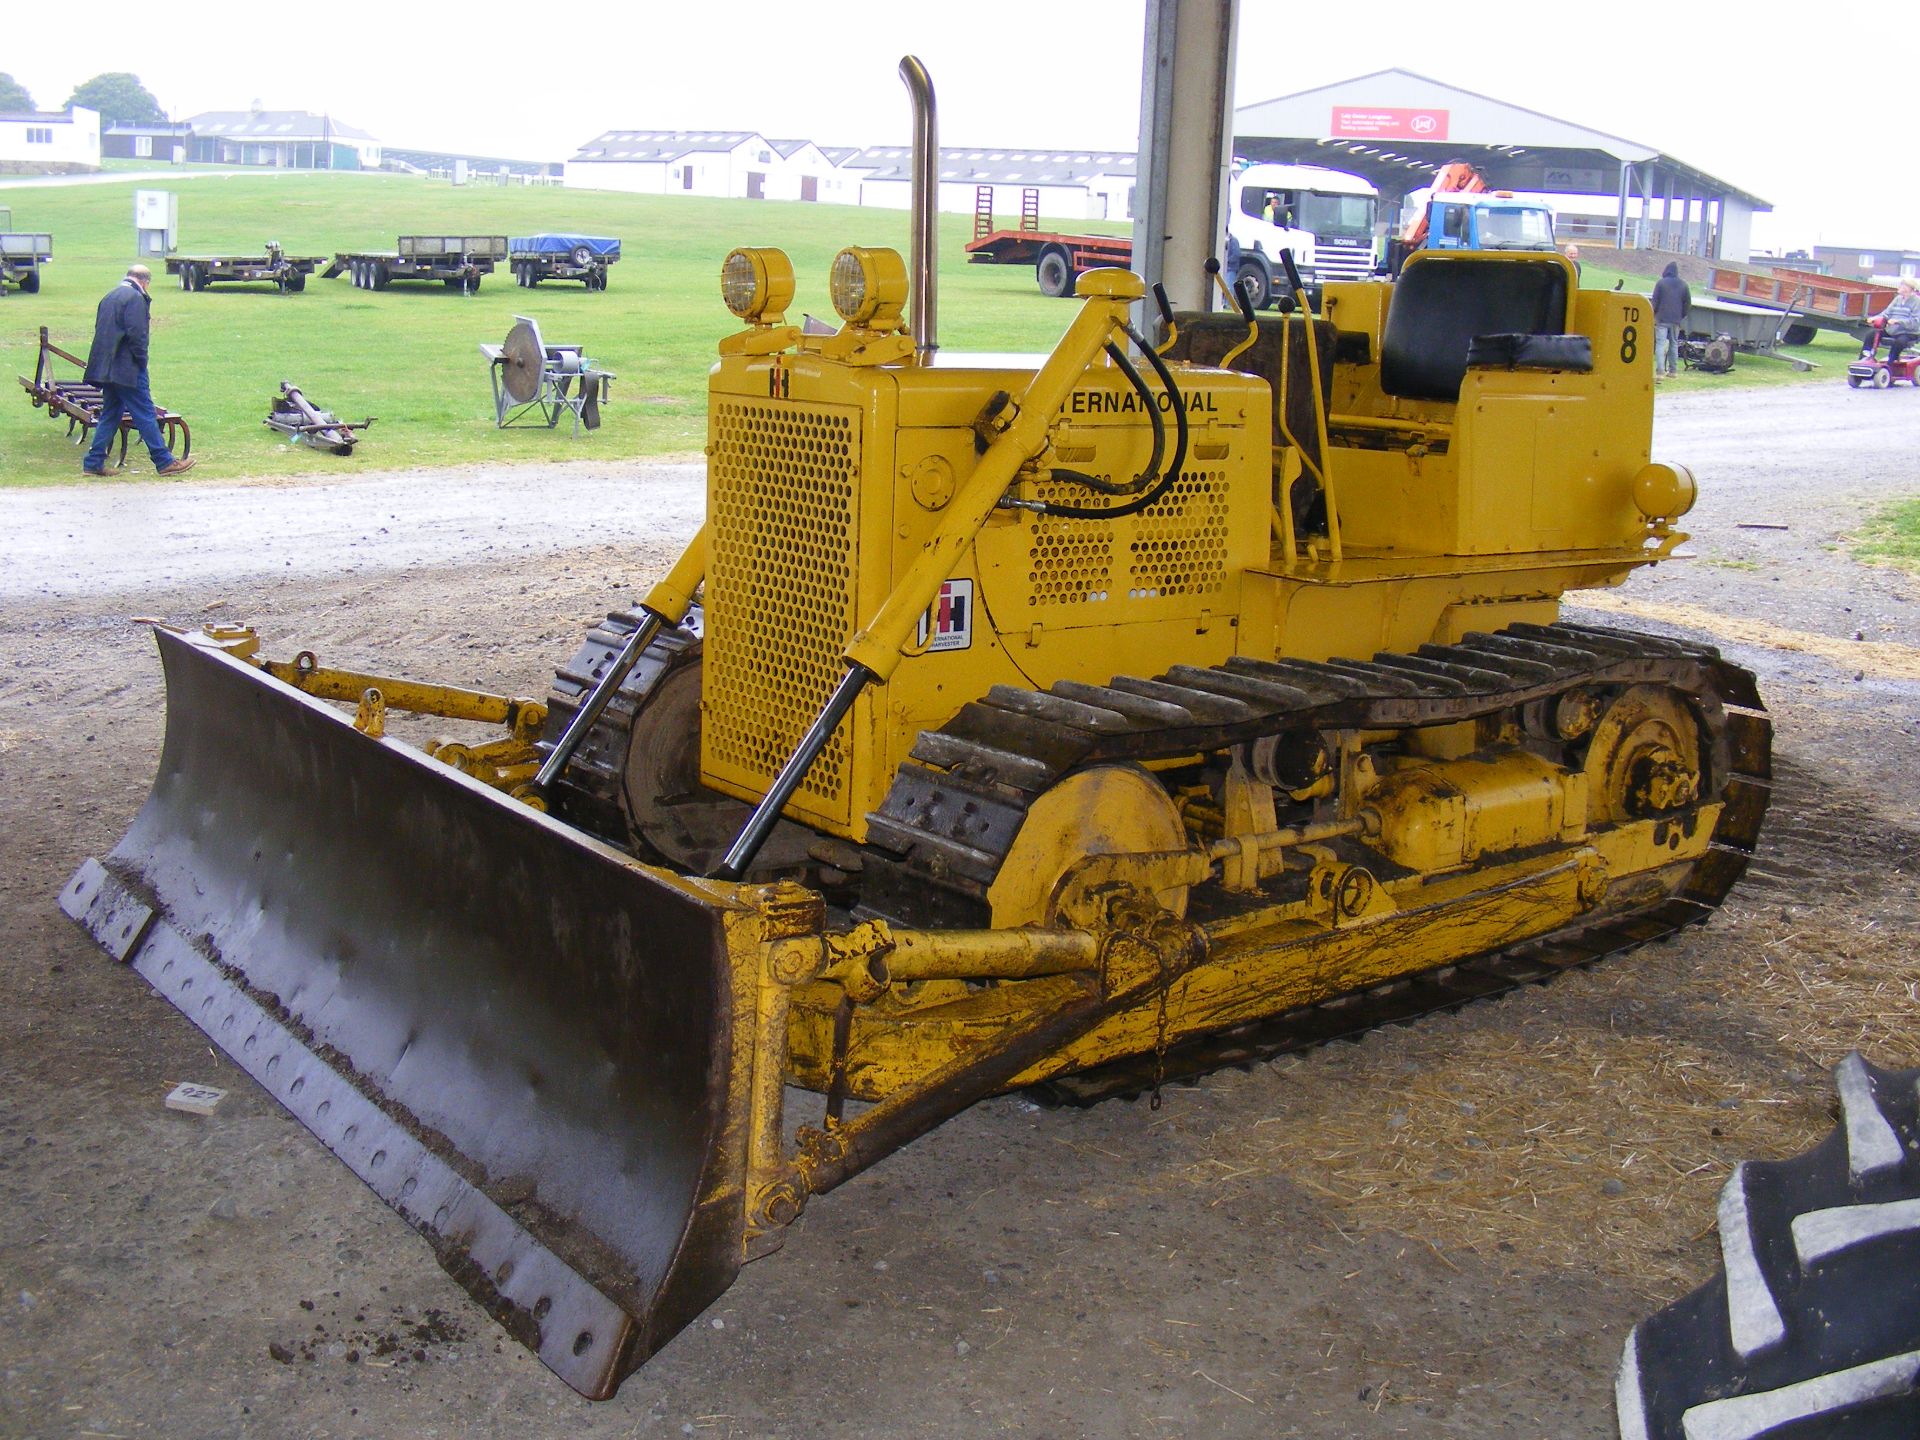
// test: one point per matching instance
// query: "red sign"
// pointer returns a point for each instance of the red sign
(1387, 122)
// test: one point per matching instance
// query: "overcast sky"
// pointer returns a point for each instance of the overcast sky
(1039, 74)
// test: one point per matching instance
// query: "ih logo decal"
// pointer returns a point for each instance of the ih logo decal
(949, 624)
(779, 380)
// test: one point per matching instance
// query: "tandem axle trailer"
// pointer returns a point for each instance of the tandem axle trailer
(456, 261)
(286, 273)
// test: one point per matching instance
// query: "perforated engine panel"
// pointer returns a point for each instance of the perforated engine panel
(780, 595)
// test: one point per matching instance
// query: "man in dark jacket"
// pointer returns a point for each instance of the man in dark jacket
(117, 363)
(1672, 303)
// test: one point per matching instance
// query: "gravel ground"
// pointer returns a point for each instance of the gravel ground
(1227, 1265)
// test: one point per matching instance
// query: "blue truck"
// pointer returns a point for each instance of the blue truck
(1473, 220)
(562, 257)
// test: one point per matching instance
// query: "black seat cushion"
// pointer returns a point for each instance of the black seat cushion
(1440, 305)
(1531, 352)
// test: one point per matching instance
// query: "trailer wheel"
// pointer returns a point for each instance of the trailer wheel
(1813, 1325)
(533, 275)
(297, 281)
(582, 256)
(1054, 271)
(30, 282)
(1252, 279)
(380, 276)
(473, 285)
(1799, 334)
(186, 277)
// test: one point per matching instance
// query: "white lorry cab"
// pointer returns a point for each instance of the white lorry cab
(1323, 216)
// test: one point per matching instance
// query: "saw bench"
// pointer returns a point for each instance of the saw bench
(80, 403)
(535, 383)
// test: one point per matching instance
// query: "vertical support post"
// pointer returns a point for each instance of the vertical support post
(1620, 221)
(1666, 217)
(1186, 146)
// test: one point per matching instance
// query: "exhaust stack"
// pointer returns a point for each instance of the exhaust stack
(922, 311)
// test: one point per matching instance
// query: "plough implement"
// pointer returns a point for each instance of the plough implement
(1074, 725)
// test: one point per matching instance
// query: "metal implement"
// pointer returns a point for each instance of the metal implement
(457, 1067)
(535, 383)
(296, 417)
(79, 403)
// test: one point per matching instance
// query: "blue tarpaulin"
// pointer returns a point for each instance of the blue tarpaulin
(599, 246)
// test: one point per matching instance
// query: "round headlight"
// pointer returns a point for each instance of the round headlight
(868, 286)
(756, 283)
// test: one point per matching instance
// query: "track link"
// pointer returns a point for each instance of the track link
(950, 817)
(591, 791)
(953, 812)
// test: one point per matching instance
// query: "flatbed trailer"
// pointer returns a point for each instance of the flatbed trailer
(562, 257)
(286, 273)
(1057, 258)
(456, 261)
(1832, 302)
(21, 256)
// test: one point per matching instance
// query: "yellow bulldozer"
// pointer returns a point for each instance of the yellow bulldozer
(1073, 723)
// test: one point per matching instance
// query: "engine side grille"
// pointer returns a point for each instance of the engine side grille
(1176, 546)
(780, 595)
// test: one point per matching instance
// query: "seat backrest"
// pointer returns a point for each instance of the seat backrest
(1441, 302)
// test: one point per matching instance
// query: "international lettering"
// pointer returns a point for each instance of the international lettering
(1127, 402)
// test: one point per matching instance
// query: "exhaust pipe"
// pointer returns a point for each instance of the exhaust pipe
(921, 306)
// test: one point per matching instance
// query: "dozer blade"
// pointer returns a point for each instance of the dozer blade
(522, 1040)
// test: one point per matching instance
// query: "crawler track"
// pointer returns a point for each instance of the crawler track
(951, 816)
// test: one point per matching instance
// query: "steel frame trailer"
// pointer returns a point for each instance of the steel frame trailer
(562, 257)
(286, 273)
(456, 261)
(21, 256)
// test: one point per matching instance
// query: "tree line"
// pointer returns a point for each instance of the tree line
(119, 97)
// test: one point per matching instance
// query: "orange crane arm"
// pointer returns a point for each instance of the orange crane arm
(1457, 178)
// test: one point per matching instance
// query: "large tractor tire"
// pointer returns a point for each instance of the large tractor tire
(1812, 1328)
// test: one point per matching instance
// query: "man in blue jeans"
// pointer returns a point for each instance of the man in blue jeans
(117, 363)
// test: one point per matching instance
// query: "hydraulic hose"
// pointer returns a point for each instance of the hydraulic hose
(1140, 502)
(1145, 478)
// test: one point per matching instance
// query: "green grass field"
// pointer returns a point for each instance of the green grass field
(410, 354)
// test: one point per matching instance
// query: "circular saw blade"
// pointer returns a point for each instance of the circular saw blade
(521, 361)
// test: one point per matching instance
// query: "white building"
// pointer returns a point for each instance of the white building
(49, 141)
(1072, 184)
(737, 163)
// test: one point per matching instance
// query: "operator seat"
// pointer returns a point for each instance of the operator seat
(1442, 304)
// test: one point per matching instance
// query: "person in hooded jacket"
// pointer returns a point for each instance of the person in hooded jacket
(1672, 303)
(117, 363)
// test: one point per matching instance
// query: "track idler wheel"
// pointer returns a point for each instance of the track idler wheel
(1645, 757)
(1105, 810)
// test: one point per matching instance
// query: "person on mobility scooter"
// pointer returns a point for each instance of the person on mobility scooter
(1899, 326)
